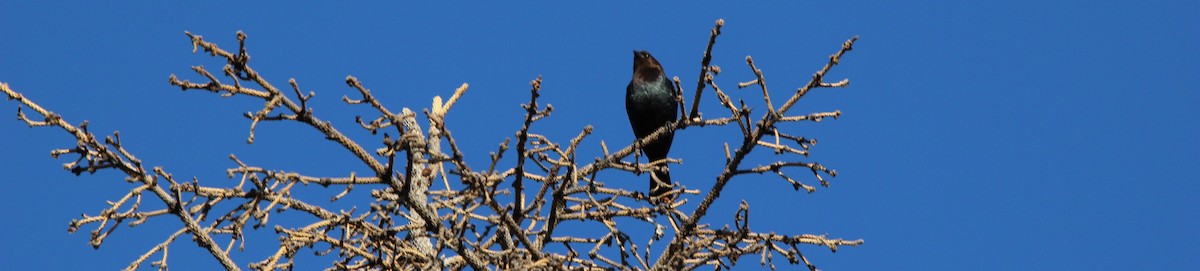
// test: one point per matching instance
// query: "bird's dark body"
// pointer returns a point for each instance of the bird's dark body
(650, 103)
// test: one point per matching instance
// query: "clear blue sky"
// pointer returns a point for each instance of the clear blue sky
(976, 136)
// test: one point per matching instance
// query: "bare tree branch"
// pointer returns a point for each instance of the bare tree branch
(431, 210)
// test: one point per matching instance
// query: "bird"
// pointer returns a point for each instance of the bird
(650, 103)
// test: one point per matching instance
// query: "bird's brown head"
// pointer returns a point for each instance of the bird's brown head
(645, 66)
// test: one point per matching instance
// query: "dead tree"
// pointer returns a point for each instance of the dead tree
(491, 218)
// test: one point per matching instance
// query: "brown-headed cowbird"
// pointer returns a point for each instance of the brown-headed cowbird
(650, 103)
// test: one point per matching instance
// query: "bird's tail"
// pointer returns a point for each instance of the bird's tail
(660, 185)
